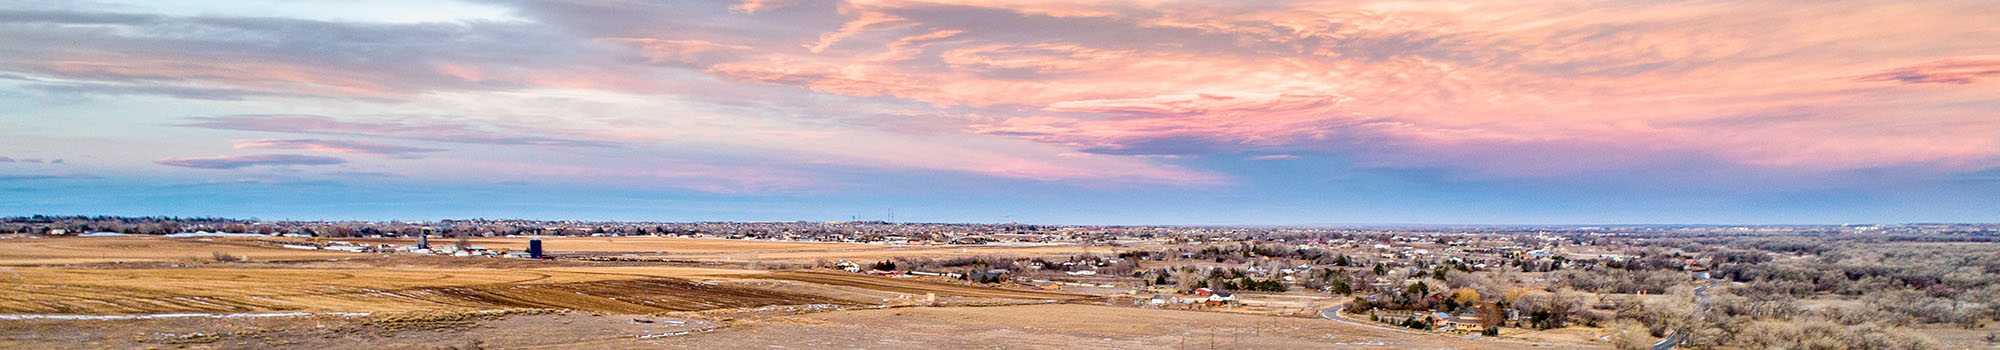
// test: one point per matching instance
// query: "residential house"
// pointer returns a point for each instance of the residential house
(1221, 298)
(1464, 324)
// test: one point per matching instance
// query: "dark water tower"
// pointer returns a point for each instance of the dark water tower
(535, 248)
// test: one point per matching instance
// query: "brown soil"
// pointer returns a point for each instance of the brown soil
(916, 287)
(1068, 326)
(430, 330)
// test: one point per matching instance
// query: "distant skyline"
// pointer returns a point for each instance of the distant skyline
(1048, 112)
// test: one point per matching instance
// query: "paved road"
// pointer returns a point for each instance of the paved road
(1701, 310)
(1334, 314)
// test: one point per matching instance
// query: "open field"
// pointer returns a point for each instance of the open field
(757, 308)
(620, 244)
(84, 250)
(1000, 327)
(1962, 338)
(734, 250)
(876, 252)
(917, 287)
(240, 290)
(578, 330)
(1067, 326)
(610, 289)
(372, 283)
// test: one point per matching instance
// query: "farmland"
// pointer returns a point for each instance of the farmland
(1415, 289)
(882, 253)
(251, 290)
(149, 275)
(1069, 326)
(627, 244)
(737, 250)
(132, 280)
(83, 250)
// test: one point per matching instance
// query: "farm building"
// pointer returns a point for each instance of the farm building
(1462, 324)
(1221, 298)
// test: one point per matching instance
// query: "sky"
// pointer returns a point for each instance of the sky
(1036, 111)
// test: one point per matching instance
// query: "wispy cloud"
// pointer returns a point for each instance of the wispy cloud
(1080, 90)
(31, 160)
(40, 161)
(1272, 157)
(48, 177)
(221, 57)
(241, 161)
(335, 146)
(415, 130)
(1940, 72)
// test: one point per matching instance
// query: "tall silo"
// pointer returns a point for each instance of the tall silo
(535, 248)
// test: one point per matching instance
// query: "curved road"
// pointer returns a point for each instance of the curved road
(1673, 339)
(1701, 310)
(1334, 314)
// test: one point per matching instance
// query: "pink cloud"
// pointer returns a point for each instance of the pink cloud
(1272, 157)
(439, 131)
(243, 161)
(1464, 87)
(1940, 72)
(678, 51)
(335, 146)
(1104, 90)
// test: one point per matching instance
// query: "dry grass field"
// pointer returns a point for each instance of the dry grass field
(1068, 326)
(372, 283)
(1046, 326)
(752, 308)
(877, 252)
(917, 287)
(242, 290)
(41, 290)
(85, 250)
(636, 245)
(421, 331)
(731, 250)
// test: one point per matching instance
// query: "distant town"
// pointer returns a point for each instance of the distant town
(900, 233)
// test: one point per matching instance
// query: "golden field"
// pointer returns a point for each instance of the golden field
(1072, 326)
(131, 275)
(41, 290)
(731, 250)
(83, 250)
(876, 252)
(184, 278)
(641, 244)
